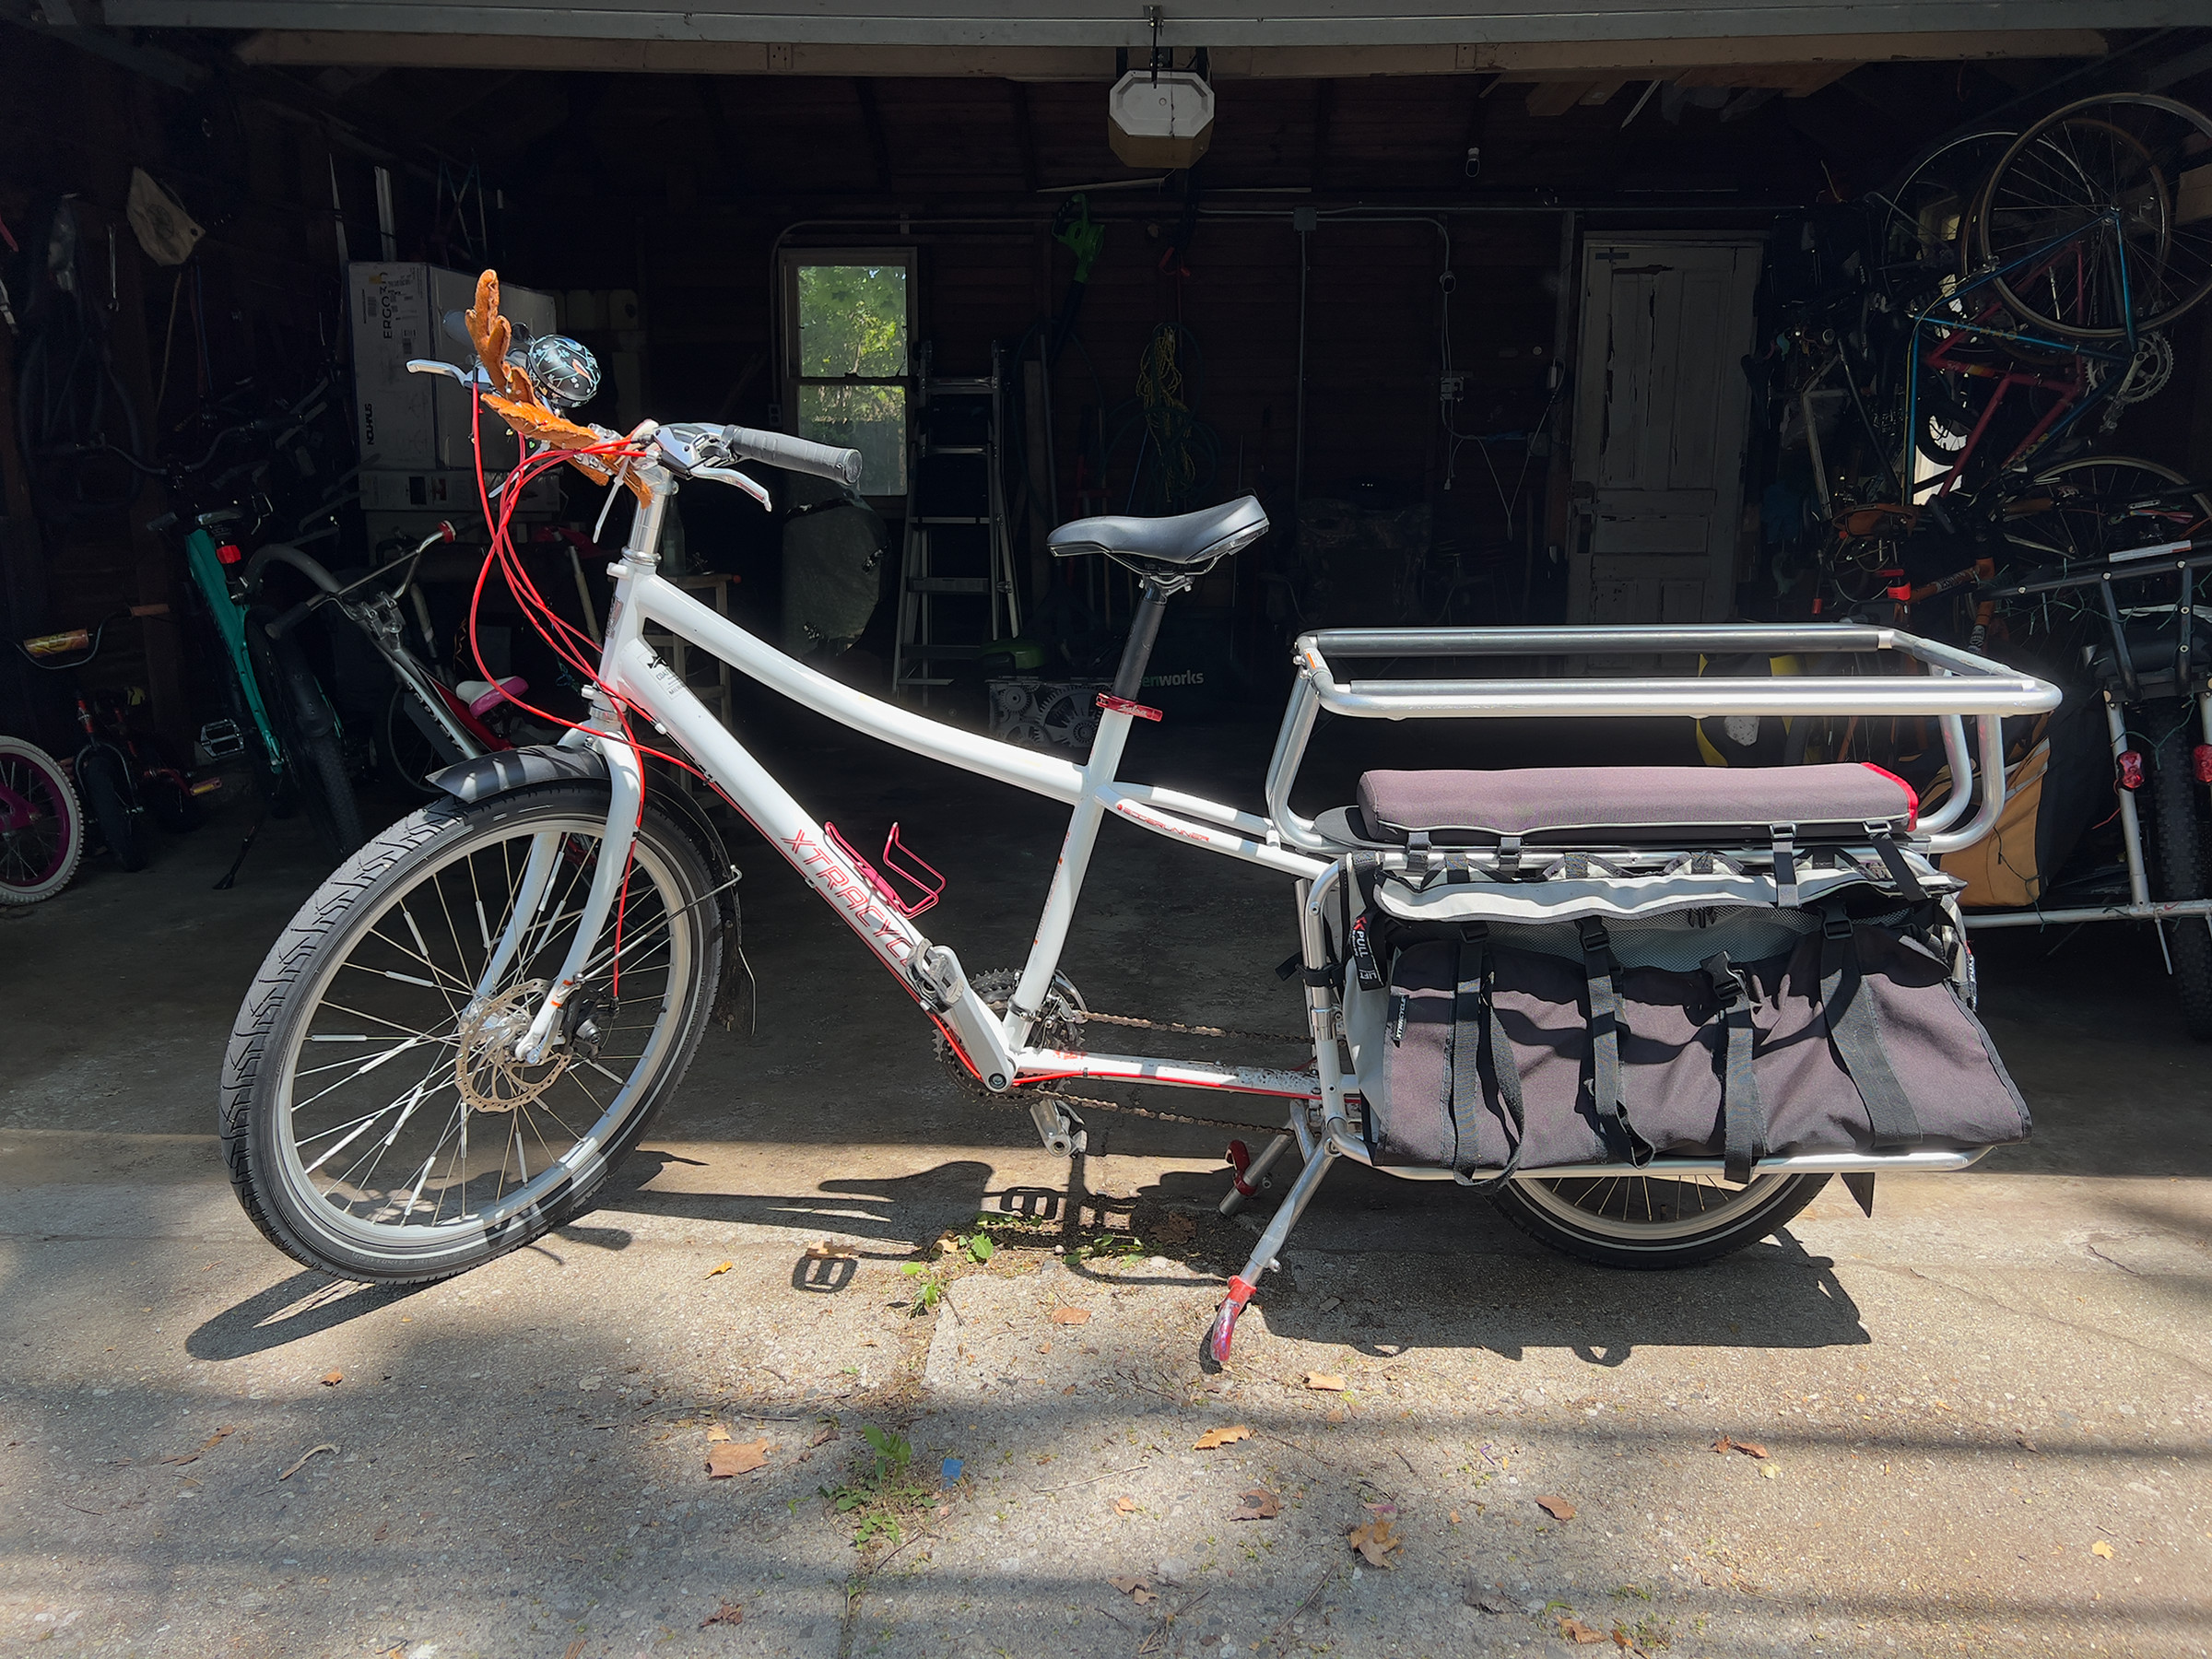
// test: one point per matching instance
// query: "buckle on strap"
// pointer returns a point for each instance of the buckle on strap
(1728, 989)
(1835, 921)
(1593, 936)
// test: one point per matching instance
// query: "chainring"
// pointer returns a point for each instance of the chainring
(1060, 1026)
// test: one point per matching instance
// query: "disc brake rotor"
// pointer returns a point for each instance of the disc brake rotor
(487, 1074)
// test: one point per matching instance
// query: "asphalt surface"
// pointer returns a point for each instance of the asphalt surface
(1984, 1412)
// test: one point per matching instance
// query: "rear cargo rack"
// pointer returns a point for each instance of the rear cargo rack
(1955, 683)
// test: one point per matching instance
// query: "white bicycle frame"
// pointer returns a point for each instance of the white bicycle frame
(997, 1046)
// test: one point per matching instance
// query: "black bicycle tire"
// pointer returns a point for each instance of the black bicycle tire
(1763, 1219)
(315, 770)
(2176, 845)
(243, 1120)
(1981, 205)
(103, 778)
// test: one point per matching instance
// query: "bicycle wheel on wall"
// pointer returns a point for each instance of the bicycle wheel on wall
(2092, 508)
(375, 1122)
(2099, 206)
(41, 824)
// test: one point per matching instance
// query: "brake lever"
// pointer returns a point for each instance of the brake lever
(730, 474)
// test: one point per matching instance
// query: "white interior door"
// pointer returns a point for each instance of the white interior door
(1659, 429)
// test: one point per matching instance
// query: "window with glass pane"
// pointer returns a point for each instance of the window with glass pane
(853, 363)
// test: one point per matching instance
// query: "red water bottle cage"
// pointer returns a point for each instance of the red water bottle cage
(902, 861)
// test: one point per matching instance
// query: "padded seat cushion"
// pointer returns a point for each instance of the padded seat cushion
(1630, 806)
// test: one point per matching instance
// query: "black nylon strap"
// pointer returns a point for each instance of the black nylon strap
(1476, 1034)
(1604, 1047)
(1894, 860)
(1465, 1085)
(1853, 1028)
(1743, 1112)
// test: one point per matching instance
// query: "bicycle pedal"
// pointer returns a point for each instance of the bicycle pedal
(222, 739)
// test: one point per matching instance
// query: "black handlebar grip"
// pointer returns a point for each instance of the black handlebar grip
(793, 454)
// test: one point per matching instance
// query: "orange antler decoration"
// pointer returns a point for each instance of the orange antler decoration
(520, 405)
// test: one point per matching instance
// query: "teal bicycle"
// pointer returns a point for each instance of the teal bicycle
(279, 714)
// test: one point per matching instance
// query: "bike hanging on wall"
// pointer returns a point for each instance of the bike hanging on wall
(1589, 992)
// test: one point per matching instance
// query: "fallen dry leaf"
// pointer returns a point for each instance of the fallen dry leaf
(575, 1650)
(331, 1379)
(823, 1435)
(1135, 1589)
(1574, 1629)
(729, 1613)
(1322, 1381)
(1559, 1508)
(827, 1251)
(1748, 1448)
(1259, 1504)
(1336, 1413)
(735, 1458)
(2101, 1548)
(1044, 1347)
(721, 1267)
(187, 1457)
(1375, 1542)
(1071, 1315)
(1124, 1506)
(1772, 1472)
(1213, 1437)
(1488, 1601)
(301, 1462)
(716, 1432)
(1454, 1517)
(2028, 1445)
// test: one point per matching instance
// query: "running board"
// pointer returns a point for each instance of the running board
(1038, 1066)
(1811, 1163)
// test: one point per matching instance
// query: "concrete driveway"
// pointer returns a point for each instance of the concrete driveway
(1983, 1414)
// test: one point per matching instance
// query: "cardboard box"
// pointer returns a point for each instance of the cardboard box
(417, 423)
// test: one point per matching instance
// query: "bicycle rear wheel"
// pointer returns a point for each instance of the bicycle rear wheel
(314, 759)
(41, 824)
(374, 1121)
(2102, 180)
(1653, 1221)
(2175, 799)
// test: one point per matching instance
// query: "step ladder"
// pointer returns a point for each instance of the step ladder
(956, 580)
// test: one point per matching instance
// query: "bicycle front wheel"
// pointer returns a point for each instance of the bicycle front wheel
(41, 824)
(375, 1122)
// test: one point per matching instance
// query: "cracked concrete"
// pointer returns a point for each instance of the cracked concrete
(1960, 1400)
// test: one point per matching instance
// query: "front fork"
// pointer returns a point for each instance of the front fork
(625, 774)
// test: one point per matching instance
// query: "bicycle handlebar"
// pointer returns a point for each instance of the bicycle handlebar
(793, 454)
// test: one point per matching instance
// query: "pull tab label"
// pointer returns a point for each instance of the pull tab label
(1363, 956)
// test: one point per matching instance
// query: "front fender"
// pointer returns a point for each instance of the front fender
(506, 770)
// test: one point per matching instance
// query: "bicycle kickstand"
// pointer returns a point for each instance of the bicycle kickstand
(1240, 1288)
(231, 876)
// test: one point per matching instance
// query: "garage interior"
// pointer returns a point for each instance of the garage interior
(1388, 299)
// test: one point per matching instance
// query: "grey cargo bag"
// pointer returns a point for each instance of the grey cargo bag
(1739, 1031)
